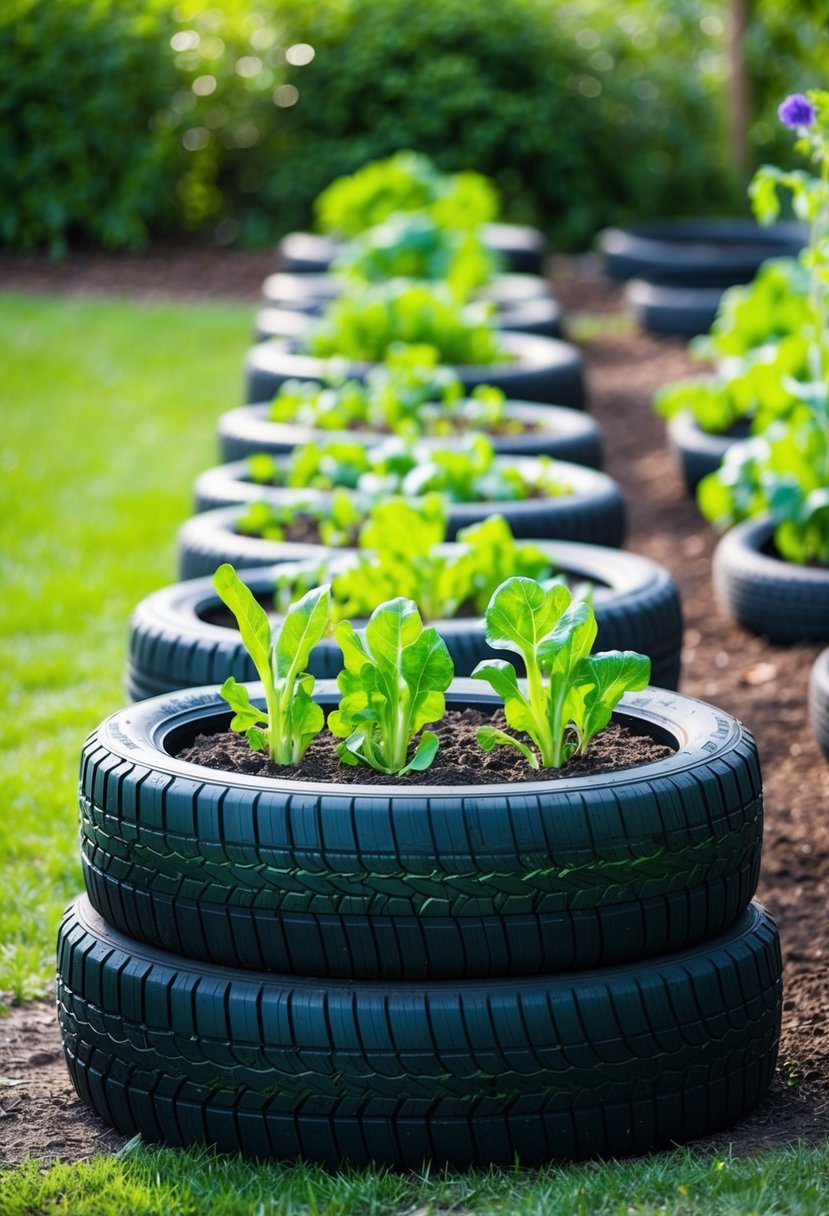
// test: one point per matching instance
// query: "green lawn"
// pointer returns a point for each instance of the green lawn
(108, 412)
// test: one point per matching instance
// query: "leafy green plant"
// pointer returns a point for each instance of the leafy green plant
(393, 684)
(470, 471)
(412, 245)
(410, 394)
(406, 181)
(337, 519)
(571, 693)
(774, 306)
(757, 387)
(402, 553)
(784, 473)
(784, 470)
(291, 719)
(365, 326)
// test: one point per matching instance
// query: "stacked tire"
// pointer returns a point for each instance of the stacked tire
(677, 271)
(396, 975)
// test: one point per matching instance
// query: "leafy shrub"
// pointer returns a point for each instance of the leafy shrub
(77, 156)
(118, 121)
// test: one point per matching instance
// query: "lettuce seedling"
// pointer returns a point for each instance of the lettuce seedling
(291, 720)
(570, 693)
(393, 684)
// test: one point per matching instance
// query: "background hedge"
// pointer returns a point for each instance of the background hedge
(122, 121)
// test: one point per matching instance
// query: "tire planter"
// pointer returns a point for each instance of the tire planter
(541, 369)
(539, 314)
(419, 881)
(783, 601)
(594, 514)
(523, 249)
(562, 433)
(676, 312)
(473, 1073)
(819, 701)
(697, 252)
(700, 452)
(310, 293)
(173, 646)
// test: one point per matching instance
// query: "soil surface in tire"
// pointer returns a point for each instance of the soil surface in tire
(763, 685)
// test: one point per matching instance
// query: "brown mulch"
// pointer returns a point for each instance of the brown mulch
(763, 685)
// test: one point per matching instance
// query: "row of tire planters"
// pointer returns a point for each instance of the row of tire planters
(535, 368)
(655, 1017)
(521, 249)
(529, 430)
(181, 636)
(782, 600)
(678, 271)
(521, 302)
(819, 701)
(592, 514)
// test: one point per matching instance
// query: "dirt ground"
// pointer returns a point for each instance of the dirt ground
(763, 685)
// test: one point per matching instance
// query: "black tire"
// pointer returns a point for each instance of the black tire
(593, 513)
(310, 293)
(697, 252)
(173, 646)
(541, 316)
(562, 433)
(523, 249)
(819, 701)
(698, 452)
(676, 312)
(419, 881)
(471, 1073)
(541, 369)
(783, 601)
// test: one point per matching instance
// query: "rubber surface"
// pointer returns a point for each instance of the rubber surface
(468, 1073)
(783, 601)
(541, 369)
(311, 292)
(697, 252)
(172, 646)
(415, 881)
(540, 316)
(819, 701)
(565, 434)
(593, 514)
(523, 249)
(678, 312)
(698, 452)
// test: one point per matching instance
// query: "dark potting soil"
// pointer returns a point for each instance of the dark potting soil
(305, 530)
(460, 759)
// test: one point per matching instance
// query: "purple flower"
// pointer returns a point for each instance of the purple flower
(796, 111)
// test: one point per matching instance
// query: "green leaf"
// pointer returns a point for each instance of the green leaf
(427, 668)
(425, 752)
(500, 675)
(251, 618)
(570, 641)
(490, 737)
(303, 626)
(603, 680)
(246, 714)
(521, 612)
